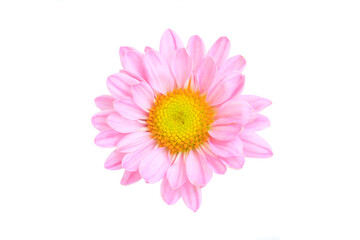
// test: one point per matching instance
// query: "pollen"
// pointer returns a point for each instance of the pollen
(180, 120)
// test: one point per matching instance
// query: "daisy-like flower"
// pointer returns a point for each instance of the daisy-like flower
(178, 116)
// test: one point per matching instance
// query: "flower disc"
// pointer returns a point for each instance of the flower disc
(180, 120)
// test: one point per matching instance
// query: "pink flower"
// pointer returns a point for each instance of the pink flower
(178, 116)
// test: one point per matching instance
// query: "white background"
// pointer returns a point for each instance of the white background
(54, 59)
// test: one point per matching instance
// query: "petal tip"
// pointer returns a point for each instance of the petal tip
(224, 38)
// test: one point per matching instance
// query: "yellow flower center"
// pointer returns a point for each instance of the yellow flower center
(180, 120)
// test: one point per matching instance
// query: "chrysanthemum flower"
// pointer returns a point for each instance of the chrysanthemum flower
(178, 115)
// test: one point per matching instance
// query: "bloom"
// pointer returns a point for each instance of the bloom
(178, 115)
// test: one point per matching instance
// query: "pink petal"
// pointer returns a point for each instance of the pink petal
(225, 129)
(119, 85)
(169, 195)
(254, 145)
(130, 178)
(128, 109)
(236, 162)
(123, 125)
(169, 43)
(196, 48)
(215, 163)
(159, 74)
(113, 162)
(122, 52)
(191, 196)
(132, 61)
(176, 174)
(236, 63)
(132, 75)
(143, 95)
(240, 110)
(239, 90)
(131, 161)
(205, 73)
(108, 138)
(154, 165)
(225, 89)
(257, 103)
(259, 123)
(99, 120)
(226, 149)
(197, 170)
(220, 50)
(134, 141)
(104, 102)
(181, 67)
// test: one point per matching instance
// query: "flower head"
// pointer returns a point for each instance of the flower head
(178, 116)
